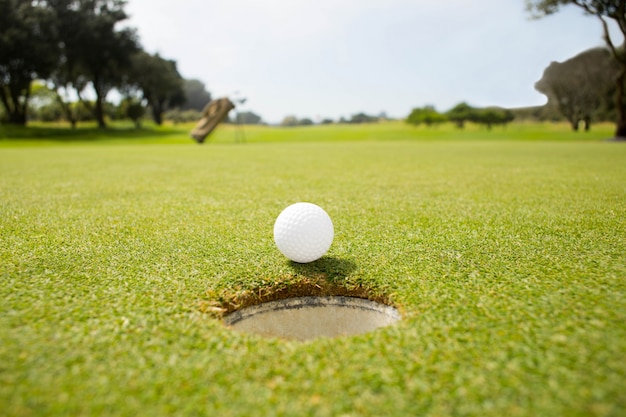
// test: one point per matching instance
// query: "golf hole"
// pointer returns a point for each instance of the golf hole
(311, 317)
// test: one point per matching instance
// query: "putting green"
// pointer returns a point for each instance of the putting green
(506, 259)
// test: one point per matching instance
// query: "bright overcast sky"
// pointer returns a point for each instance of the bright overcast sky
(332, 58)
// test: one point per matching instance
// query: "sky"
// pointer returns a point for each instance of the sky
(335, 58)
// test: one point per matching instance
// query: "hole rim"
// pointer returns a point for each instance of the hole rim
(225, 302)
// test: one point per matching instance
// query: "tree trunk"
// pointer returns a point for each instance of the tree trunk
(16, 111)
(100, 113)
(17, 118)
(157, 113)
(3, 98)
(67, 109)
(620, 105)
(99, 108)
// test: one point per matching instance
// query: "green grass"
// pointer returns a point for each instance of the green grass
(507, 258)
(123, 132)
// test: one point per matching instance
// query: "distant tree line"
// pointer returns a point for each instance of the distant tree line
(357, 118)
(291, 121)
(245, 118)
(460, 114)
(580, 90)
(360, 118)
(62, 58)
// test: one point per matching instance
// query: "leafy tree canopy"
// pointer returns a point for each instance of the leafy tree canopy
(73, 43)
(159, 82)
(459, 114)
(491, 116)
(426, 115)
(362, 118)
(579, 87)
(290, 121)
(196, 95)
(249, 118)
(28, 50)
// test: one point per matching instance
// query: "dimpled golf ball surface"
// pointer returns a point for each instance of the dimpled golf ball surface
(303, 232)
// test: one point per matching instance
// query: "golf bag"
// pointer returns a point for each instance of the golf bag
(213, 113)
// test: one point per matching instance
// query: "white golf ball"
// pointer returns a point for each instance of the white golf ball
(303, 232)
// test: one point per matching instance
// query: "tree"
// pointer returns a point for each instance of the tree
(94, 50)
(459, 114)
(247, 118)
(579, 86)
(427, 115)
(604, 10)
(105, 53)
(132, 109)
(43, 105)
(491, 116)
(196, 95)
(68, 77)
(159, 81)
(28, 50)
(542, 113)
(362, 118)
(182, 116)
(289, 121)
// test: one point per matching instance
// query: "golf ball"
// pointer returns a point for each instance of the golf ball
(303, 232)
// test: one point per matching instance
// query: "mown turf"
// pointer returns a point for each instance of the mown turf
(123, 132)
(507, 259)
